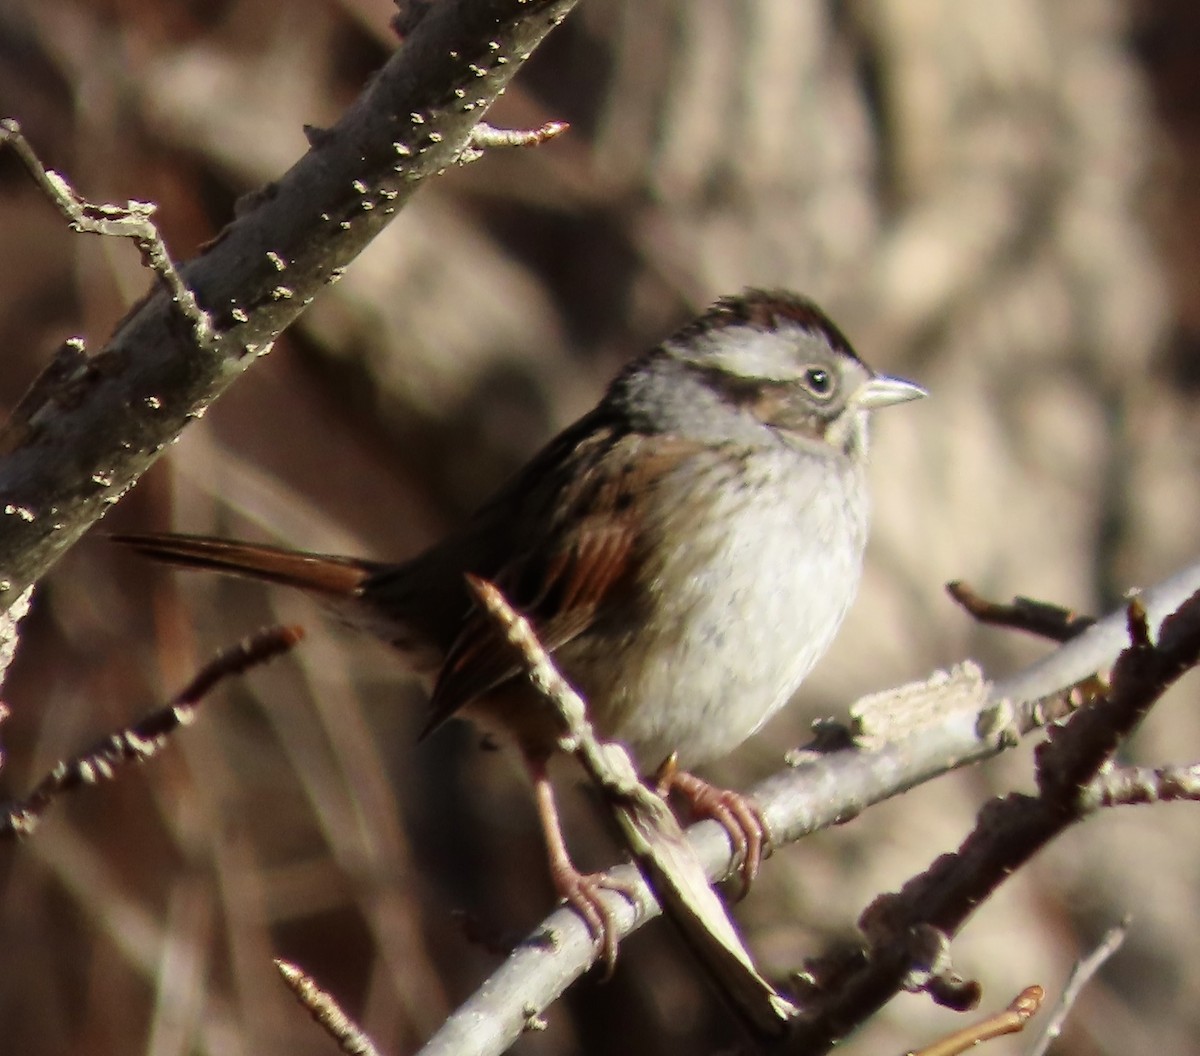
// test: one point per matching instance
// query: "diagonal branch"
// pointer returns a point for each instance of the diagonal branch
(325, 1011)
(1011, 1020)
(1022, 614)
(1081, 975)
(146, 737)
(100, 425)
(1008, 833)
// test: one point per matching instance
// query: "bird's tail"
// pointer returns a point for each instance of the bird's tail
(335, 577)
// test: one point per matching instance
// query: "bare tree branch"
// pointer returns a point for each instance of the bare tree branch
(485, 137)
(1022, 614)
(1098, 647)
(1008, 833)
(1144, 785)
(101, 425)
(1011, 1021)
(10, 634)
(827, 787)
(1081, 975)
(326, 1011)
(147, 736)
(131, 220)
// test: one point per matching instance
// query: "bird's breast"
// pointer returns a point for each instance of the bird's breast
(746, 570)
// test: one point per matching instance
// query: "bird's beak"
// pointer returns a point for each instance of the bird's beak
(883, 391)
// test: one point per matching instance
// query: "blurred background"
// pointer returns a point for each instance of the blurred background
(1000, 201)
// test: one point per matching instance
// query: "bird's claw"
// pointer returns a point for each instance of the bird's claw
(740, 816)
(583, 892)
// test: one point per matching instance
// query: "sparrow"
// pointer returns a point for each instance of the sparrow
(686, 551)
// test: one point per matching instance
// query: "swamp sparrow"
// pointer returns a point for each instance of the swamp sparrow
(686, 550)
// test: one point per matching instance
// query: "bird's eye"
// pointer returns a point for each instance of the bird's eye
(819, 382)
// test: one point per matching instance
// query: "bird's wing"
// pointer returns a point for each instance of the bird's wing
(563, 580)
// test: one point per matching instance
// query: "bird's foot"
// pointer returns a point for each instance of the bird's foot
(740, 816)
(584, 893)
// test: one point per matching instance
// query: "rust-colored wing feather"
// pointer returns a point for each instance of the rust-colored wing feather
(564, 578)
(561, 541)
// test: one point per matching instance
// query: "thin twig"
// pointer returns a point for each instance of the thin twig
(350, 1037)
(10, 633)
(1011, 1021)
(131, 220)
(1081, 975)
(1022, 614)
(1067, 762)
(1142, 785)
(485, 137)
(143, 739)
(1097, 648)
